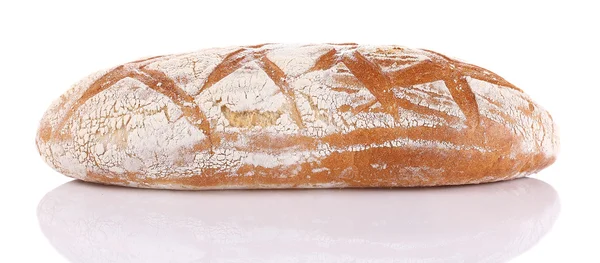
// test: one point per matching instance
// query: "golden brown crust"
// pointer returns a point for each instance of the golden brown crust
(408, 118)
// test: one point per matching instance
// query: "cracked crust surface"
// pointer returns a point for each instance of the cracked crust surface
(283, 116)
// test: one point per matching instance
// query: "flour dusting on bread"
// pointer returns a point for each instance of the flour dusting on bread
(274, 115)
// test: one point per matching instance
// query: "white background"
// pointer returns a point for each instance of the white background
(547, 48)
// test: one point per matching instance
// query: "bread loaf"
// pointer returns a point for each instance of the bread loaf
(296, 116)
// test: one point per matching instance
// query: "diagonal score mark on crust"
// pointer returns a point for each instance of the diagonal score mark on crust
(465, 99)
(239, 58)
(325, 61)
(379, 83)
(46, 131)
(280, 79)
(160, 82)
(424, 72)
(101, 84)
(156, 81)
(332, 57)
(370, 75)
(455, 77)
(477, 72)
(485, 75)
(457, 85)
(230, 63)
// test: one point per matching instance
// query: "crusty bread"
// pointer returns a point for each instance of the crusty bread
(296, 116)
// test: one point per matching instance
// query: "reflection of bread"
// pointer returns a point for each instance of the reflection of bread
(278, 116)
(482, 223)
